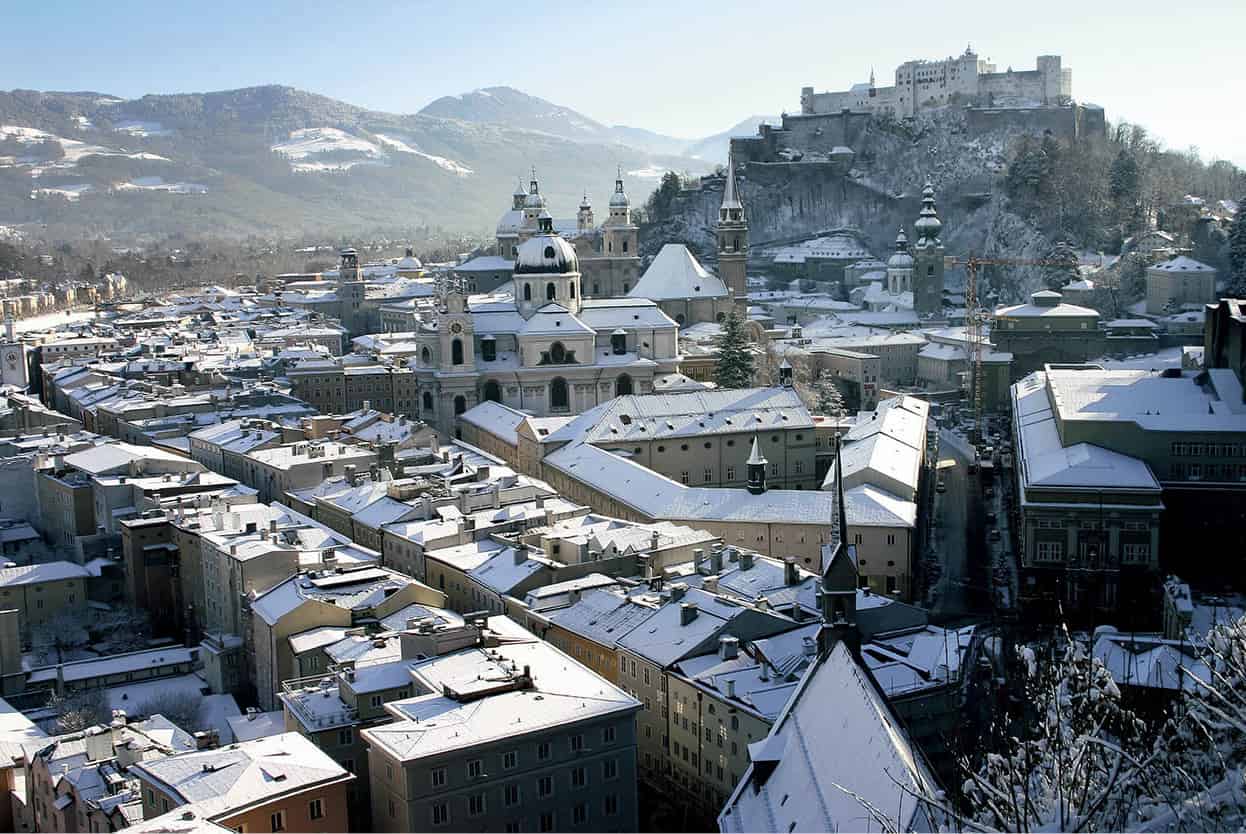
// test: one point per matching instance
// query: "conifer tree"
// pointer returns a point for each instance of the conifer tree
(735, 362)
(1237, 253)
(830, 401)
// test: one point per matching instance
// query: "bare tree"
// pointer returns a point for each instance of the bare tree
(179, 707)
(1080, 761)
(75, 711)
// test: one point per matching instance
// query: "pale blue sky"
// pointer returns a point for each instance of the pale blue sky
(677, 66)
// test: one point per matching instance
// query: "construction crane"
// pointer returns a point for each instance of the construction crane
(976, 316)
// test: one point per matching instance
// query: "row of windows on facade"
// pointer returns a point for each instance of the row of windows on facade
(1208, 472)
(1053, 551)
(439, 814)
(277, 819)
(556, 355)
(475, 768)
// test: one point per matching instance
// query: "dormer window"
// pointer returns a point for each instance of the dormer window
(549, 253)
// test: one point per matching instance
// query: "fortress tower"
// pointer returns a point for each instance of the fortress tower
(928, 258)
(733, 242)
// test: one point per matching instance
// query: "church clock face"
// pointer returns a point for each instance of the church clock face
(456, 328)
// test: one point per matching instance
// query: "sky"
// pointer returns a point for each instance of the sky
(677, 67)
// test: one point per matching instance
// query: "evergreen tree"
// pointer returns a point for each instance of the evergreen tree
(1055, 277)
(1237, 253)
(829, 400)
(1123, 179)
(735, 361)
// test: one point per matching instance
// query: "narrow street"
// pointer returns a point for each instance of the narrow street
(960, 592)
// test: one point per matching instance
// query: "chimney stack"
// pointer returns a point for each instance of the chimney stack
(791, 573)
(687, 612)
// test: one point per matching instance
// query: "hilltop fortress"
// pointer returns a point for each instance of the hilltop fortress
(967, 79)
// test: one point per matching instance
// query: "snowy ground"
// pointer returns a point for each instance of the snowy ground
(48, 320)
(305, 145)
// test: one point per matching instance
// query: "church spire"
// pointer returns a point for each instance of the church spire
(756, 465)
(730, 200)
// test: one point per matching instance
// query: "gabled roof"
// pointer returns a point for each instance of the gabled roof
(675, 273)
(835, 753)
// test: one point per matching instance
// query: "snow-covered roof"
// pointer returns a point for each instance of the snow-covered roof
(227, 779)
(45, 572)
(675, 273)
(253, 725)
(1044, 460)
(835, 757)
(497, 419)
(545, 255)
(1183, 263)
(870, 506)
(562, 695)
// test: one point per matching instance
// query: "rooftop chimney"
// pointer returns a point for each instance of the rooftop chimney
(730, 687)
(678, 590)
(791, 573)
(687, 612)
(746, 559)
(716, 559)
(728, 647)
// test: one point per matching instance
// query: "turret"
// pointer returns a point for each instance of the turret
(517, 199)
(533, 204)
(733, 241)
(756, 469)
(785, 373)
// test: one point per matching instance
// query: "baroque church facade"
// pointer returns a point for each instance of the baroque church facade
(548, 350)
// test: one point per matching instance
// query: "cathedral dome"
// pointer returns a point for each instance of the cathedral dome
(619, 200)
(544, 255)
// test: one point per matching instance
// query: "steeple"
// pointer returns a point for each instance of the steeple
(928, 224)
(517, 198)
(756, 469)
(733, 240)
(871, 77)
(928, 266)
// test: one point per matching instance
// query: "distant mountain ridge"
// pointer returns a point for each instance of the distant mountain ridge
(279, 160)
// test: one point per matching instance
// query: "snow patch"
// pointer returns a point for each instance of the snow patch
(313, 140)
(69, 192)
(74, 149)
(140, 128)
(158, 184)
(450, 165)
(84, 123)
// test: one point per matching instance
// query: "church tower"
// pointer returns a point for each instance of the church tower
(533, 206)
(350, 293)
(928, 259)
(900, 267)
(517, 199)
(733, 242)
(619, 235)
(454, 327)
(584, 217)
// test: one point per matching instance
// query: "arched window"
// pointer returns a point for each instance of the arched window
(625, 247)
(721, 317)
(679, 319)
(557, 353)
(460, 404)
(456, 352)
(735, 244)
(426, 356)
(428, 402)
(596, 288)
(549, 253)
(571, 289)
(618, 343)
(622, 385)
(493, 391)
(550, 291)
(558, 398)
(527, 292)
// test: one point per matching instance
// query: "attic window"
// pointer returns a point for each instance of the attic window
(549, 252)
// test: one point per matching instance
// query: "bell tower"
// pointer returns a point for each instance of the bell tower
(900, 267)
(619, 235)
(733, 241)
(928, 258)
(454, 326)
(756, 465)
(584, 217)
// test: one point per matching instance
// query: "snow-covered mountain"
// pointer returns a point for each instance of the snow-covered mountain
(278, 159)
